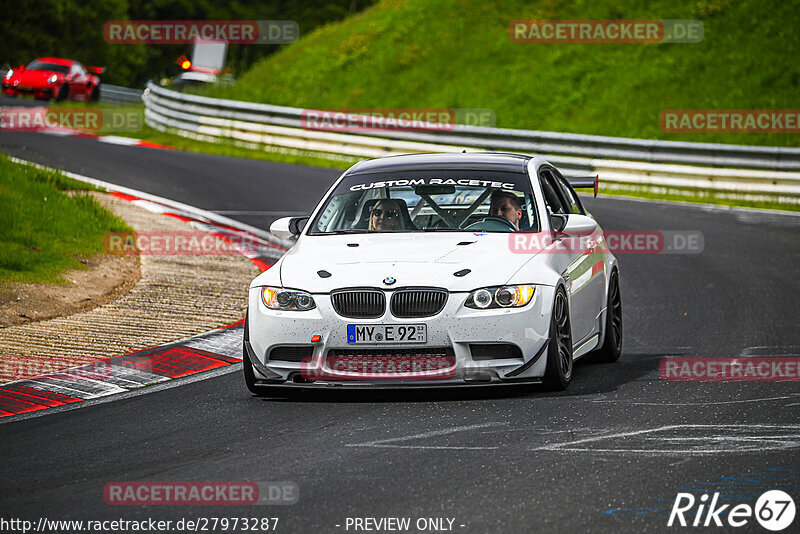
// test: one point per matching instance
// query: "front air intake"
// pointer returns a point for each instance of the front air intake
(291, 353)
(494, 351)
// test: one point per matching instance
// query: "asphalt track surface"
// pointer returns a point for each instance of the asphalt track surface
(608, 455)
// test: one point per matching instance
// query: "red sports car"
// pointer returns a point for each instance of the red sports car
(51, 77)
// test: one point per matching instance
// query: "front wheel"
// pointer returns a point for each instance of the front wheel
(558, 372)
(247, 365)
(612, 344)
(63, 93)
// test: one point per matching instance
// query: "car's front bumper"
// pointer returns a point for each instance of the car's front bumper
(36, 92)
(453, 330)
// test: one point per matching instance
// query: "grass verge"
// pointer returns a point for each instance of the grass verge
(458, 54)
(46, 230)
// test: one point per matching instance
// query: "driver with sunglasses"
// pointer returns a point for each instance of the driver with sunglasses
(386, 215)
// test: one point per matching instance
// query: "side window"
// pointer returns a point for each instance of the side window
(77, 70)
(552, 198)
(573, 204)
(528, 221)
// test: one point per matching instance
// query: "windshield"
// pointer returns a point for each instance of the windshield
(40, 65)
(446, 201)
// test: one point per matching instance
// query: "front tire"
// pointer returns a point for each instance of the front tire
(63, 93)
(558, 372)
(247, 366)
(612, 344)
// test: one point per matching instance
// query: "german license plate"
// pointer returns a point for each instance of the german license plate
(386, 333)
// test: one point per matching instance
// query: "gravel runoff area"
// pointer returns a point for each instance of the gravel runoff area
(177, 296)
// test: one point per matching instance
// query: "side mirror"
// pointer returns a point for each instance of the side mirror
(558, 222)
(580, 225)
(288, 227)
(297, 224)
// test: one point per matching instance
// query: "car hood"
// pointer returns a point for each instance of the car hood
(33, 78)
(412, 259)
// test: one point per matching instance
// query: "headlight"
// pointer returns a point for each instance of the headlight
(52, 79)
(277, 298)
(9, 74)
(500, 297)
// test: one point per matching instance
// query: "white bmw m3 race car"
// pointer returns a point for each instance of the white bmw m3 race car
(437, 269)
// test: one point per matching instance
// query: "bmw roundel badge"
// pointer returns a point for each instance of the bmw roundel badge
(389, 280)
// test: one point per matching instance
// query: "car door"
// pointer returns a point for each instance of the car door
(573, 260)
(595, 276)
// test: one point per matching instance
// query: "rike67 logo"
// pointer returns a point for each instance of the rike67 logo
(774, 510)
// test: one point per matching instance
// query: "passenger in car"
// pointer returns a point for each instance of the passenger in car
(507, 206)
(386, 215)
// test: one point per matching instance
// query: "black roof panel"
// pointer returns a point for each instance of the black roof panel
(484, 161)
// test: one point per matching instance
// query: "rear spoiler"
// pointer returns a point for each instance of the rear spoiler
(585, 182)
(96, 70)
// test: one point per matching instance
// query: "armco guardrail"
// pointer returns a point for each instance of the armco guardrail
(747, 169)
(121, 95)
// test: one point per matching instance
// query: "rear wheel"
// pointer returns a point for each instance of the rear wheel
(612, 344)
(94, 96)
(558, 372)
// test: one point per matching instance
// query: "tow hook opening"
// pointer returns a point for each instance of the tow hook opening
(298, 378)
(478, 376)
